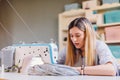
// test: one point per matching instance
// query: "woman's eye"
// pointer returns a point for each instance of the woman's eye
(77, 35)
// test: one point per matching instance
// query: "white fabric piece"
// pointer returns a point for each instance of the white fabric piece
(52, 70)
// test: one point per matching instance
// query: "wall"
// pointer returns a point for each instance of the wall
(41, 16)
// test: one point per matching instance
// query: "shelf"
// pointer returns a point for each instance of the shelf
(66, 17)
(107, 6)
(73, 13)
(64, 42)
(65, 29)
(109, 24)
(110, 42)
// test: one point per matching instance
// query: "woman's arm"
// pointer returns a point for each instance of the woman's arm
(99, 70)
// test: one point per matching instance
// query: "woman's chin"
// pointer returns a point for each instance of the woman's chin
(77, 47)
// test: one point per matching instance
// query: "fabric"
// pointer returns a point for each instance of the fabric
(103, 56)
(52, 70)
(8, 57)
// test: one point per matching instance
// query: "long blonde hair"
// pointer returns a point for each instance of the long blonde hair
(90, 42)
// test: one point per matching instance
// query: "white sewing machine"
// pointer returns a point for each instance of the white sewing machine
(48, 52)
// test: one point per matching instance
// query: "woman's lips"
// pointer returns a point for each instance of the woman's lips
(76, 44)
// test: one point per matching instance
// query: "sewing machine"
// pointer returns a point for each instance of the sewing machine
(14, 55)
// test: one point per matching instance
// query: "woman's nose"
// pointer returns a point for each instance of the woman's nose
(74, 39)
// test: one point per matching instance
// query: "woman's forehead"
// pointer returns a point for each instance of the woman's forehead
(75, 30)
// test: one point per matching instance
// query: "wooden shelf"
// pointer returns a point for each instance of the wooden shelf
(65, 42)
(73, 13)
(110, 42)
(65, 29)
(109, 24)
(66, 17)
(107, 6)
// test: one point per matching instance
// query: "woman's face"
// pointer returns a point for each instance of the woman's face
(77, 37)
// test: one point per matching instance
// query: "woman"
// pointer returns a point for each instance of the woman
(85, 52)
